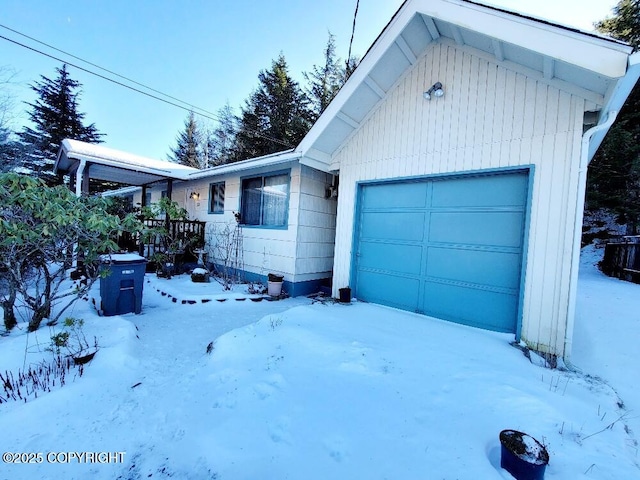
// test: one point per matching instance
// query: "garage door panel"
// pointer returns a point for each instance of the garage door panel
(490, 229)
(390, 196)
(447, 247)
(495, 269)
(469, 306)
(395, 291)
(481, 191)
(391, 257)
(399, 226)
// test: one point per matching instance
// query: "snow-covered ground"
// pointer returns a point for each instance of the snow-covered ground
(295, 390)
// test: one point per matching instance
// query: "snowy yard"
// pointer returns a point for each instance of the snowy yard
(295, 390)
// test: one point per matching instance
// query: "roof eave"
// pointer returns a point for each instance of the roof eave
(615, 101)
(604, 56)
(249, 164)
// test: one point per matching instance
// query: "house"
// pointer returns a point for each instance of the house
(461, 144)
(288, 214)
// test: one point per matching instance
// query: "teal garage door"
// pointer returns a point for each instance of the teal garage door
(448, 247)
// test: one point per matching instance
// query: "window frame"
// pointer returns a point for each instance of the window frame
(262, 177)
(211, 207)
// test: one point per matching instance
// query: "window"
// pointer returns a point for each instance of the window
(147, 199)
(216, 197)
(163, 194)
(265, 200)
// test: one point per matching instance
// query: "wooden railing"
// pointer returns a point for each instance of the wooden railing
(622, 260)
(185, 231)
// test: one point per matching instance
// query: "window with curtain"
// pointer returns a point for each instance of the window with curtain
(265, 200)
(216, 197)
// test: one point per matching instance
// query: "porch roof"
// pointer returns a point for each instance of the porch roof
(117, 166)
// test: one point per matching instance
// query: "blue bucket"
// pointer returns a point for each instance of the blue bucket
(523, 456)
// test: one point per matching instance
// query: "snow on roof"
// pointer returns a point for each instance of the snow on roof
(109, 156)
(149, 170)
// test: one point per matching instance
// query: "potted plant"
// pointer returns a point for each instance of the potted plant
(274, 284)
(200, 275)
(523, 456)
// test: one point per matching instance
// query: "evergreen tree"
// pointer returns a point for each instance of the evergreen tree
(324, 81)
(12, 152)
(220, 142)
(624, 24)
(55, 116)
(188, 150)
(276, 116)
(614, 173)
(349, 67)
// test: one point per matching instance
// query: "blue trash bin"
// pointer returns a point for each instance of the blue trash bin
(121, 288)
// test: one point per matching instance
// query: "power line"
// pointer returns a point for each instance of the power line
(208, 115)
(107, 70)
(353, 31)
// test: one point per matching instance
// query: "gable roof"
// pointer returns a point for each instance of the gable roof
(594, 67)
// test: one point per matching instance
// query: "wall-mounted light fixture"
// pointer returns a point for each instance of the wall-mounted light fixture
(436, 90)
(194, 195)
(331, 191)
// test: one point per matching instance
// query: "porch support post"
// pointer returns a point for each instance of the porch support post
(79, 175)
(85, 180)
(167, 222)
(143, 203)
(71, 181)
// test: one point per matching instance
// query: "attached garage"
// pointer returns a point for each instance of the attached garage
(450, 247)
(461, 144)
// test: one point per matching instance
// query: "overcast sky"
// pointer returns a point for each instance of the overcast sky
(203, 52)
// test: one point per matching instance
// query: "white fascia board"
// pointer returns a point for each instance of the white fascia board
(251, 164)
(126, 166)
(608, 58)
(616, 98)
(93, 153)
(101, 154)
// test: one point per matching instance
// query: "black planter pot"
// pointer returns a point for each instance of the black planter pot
(523, 456)
(345, 295)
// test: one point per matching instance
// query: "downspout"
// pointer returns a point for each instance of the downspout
(577, 241)
(79, 176)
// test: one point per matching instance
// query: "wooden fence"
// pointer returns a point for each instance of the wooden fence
(622, 260)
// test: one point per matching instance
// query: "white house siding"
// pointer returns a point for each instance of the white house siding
(316, 227)
(303, 252)
(265, 249)
(490, 117)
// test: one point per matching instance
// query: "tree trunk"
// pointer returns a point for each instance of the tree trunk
(10, 320)
(39, 314)
(41, 305)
